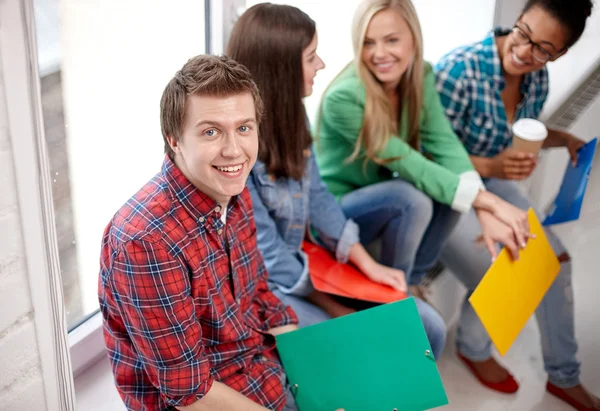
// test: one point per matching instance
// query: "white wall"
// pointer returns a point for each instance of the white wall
(21, 385)
(507, 12)
(117, 57)
(548, 176)
(445, 25)
(567, 72)
(582, 236)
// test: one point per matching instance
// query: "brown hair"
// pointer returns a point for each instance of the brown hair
(269, 39)
(203, 75)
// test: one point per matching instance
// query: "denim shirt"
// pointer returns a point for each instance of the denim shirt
(284, 209)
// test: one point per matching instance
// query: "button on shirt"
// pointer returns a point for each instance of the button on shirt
(184, 306)
(470, 81)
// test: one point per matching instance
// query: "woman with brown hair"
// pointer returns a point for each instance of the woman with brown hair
(278, 45)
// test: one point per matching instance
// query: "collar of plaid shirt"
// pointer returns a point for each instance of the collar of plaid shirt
(185, 299)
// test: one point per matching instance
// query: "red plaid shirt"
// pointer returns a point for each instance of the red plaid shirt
(185, 299)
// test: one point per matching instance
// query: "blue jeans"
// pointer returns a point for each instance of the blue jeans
(411, 226)
(412, 229)
(309, 314)
(290, 401)
(469, 263)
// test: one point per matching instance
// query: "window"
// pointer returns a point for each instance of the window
(103, 66)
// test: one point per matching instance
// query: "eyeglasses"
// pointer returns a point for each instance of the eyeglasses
(538, 53)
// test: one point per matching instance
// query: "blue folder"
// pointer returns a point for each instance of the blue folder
(568, 202)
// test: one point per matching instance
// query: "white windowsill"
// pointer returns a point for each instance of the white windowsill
(86, 343)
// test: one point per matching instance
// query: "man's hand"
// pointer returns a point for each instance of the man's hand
(512, 165)
(283, 329)
(573, 144)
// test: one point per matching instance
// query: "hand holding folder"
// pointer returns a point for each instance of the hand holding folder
(329, 276)
(510, 291)
(569, 200)
(373, 360)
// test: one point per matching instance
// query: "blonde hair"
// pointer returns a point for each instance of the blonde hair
(379, 120)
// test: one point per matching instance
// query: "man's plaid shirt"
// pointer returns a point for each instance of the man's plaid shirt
(185, 299)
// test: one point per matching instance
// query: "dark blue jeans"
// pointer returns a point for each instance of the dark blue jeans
(290, 402)
(411, 226)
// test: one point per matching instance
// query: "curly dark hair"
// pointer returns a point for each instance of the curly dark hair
(572, 14)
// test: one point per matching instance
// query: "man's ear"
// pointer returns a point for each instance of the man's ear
(173, 143)
(559, 55)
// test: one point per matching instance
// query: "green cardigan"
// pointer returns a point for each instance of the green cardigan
(339, 124)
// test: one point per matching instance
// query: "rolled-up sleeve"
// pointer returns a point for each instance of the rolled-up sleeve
(327, 217)
(151, 289)
(469, 185)
(287, 269)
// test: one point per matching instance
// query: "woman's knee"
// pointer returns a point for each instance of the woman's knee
(409, 200)
(434, 325)
(390, 198)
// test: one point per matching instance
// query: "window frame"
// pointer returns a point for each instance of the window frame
(23, 111)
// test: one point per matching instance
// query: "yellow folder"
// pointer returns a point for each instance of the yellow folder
(510, 291)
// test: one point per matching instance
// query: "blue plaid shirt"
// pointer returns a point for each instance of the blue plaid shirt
(469, 81)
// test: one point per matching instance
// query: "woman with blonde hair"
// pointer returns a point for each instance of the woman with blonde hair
(387, 152)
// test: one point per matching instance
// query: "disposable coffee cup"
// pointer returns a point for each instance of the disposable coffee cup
(529, 135)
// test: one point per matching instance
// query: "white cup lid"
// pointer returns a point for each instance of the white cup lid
(530, 129)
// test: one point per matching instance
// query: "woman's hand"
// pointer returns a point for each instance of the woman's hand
(573, 144)
(512, 165)
(377, 272)
(515, 218)
(495, 231)
(559, 138)
(387, 275)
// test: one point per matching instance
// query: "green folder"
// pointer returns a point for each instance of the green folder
(374, 360)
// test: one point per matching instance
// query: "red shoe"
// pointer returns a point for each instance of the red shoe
(560, 393)
(508, 386)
